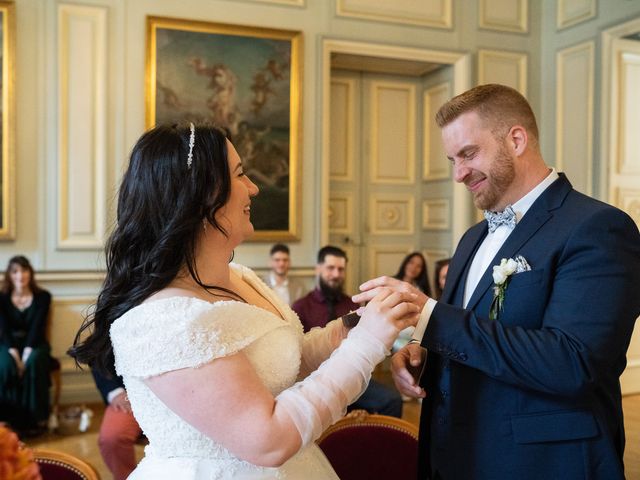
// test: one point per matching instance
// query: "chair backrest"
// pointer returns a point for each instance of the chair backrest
(372, 447)
(56, 465)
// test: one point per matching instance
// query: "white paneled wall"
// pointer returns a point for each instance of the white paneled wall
(436, 164)
(574, 114)
(428, 13)
(507, 68)
(572, 12)
(82, 114)
(504, 15)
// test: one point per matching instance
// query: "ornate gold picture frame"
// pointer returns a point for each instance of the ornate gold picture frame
(246, 80)
(7, 102)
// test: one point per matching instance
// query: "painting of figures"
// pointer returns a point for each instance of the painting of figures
(246, 81)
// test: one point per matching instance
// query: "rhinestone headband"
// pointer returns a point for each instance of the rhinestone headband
(192, 141)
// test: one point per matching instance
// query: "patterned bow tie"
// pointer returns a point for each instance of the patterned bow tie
(497, 219)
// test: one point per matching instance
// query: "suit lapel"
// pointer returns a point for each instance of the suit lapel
(539, 213)
(461, 262)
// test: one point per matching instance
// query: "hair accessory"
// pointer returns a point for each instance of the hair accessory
(192, 141)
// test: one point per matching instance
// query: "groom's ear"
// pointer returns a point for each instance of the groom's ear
(517, 140)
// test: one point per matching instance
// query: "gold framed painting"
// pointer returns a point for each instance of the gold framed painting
(7, 117)
(246, 80)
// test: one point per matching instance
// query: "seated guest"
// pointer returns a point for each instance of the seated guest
(24, 350)
(413, 270)
(440, 276)
(288, 289)
(119, 429)
(327, 302)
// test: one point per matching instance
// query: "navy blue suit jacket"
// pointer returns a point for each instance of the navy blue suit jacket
(106, 384)
(535, 394)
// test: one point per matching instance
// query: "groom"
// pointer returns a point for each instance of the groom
(524, 385)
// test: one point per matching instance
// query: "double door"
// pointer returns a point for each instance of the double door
(378, 181)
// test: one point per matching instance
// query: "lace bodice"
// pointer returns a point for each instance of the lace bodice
(185, 332)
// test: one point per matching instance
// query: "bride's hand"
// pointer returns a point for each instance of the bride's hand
(388, 313)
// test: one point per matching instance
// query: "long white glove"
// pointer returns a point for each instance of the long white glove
(322, 398)
(318, 344)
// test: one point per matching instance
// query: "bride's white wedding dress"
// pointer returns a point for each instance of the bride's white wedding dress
(181, 332)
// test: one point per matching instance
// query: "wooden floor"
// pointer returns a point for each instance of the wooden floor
(85, 445)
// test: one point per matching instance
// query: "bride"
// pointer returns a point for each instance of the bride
(219, 374)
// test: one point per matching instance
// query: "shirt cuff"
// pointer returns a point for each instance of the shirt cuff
(113, 394)
(425, 315)
(26, 353)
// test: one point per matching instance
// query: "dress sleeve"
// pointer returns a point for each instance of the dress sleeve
(180, 332)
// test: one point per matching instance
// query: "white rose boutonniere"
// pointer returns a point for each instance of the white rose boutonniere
(501, 276)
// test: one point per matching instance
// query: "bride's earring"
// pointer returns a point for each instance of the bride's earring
(204, 224)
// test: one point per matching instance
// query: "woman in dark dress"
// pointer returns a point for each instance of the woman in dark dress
(24, 351)
(413, 270)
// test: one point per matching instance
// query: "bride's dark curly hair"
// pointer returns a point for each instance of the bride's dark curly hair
(161, 207)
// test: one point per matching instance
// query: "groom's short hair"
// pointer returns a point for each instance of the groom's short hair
(499, 106)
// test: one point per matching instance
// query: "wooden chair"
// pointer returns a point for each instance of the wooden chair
(56, 465)
(366, 446)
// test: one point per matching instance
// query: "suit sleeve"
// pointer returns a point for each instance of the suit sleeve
(106, 384)
(587, 322)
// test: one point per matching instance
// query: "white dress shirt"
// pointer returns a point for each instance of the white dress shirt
(281, 289)
(486, 252)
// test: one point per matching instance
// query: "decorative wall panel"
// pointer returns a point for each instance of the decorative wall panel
(392, 214)
(436, 214)
(506, 68)
(341, 213)
(385, 259)
(342, 128)
(629, 201)
(297, 3)
(629, 113)
(504, 15)
(571, 12)
(429, 13)
(393, 120)
(574, 114)
(82, 62)
(436, 164)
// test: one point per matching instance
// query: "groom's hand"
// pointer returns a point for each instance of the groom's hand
(370, 289)
(406, 368)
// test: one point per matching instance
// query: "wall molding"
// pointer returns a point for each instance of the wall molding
(341, 212)
(575, 101)
(343, 129)
(572, 12)
(433, 13)
(378, 90)
(492, 15)
(391, 214)
(436, 166)
(82, 121)
(507, 68)
(436, 214)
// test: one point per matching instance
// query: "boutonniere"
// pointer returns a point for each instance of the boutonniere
(501, 276)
